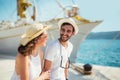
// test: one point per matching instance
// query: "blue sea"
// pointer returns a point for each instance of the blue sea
(100, 52)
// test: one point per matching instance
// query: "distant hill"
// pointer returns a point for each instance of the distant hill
(104, 35)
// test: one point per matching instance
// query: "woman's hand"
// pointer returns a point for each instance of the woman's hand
(45, 75)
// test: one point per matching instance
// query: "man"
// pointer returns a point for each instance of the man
(58, 52)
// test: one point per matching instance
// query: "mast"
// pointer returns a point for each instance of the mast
(34, 12)
(22, 5)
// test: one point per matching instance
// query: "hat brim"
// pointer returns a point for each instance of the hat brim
(25, 39)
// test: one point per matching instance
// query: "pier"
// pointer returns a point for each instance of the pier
(75, 72)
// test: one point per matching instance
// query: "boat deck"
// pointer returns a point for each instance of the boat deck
(98, 72)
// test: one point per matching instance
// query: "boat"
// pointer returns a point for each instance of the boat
(10, 32)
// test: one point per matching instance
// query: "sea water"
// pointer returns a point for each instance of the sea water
(100, 52)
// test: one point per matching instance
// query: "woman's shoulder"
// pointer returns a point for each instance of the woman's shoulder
(21, 62)
(21, 58)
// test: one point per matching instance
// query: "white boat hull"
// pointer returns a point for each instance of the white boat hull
(9, 39)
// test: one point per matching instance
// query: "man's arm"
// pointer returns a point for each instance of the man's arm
(66, 71)
(47, 65)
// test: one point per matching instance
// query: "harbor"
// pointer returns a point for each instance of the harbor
(18, 15)
(98, 72)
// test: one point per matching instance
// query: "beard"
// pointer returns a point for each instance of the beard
(64, 39)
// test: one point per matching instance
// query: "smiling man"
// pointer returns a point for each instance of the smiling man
(58, 52)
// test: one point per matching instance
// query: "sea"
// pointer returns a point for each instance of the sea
(99, 52)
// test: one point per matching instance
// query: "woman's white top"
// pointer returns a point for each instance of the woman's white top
(34, 70)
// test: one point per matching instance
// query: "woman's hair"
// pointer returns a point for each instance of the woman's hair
(27, 49)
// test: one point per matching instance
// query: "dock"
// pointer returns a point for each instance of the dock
(98, 72)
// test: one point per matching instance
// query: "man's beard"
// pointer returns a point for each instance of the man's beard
(64, 40)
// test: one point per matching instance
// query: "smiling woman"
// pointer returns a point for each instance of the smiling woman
(30, 54)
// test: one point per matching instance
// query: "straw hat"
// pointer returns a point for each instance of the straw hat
(32, 32)
(68, 20)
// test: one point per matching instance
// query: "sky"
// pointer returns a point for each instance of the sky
(106, 10)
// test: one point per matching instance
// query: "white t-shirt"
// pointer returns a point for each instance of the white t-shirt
(54, 52)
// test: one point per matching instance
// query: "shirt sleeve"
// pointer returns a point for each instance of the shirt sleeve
(50, 52)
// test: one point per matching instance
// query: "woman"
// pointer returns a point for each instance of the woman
(28, 65)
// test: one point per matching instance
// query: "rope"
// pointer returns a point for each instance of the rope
(65, 8)
(60, 5)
